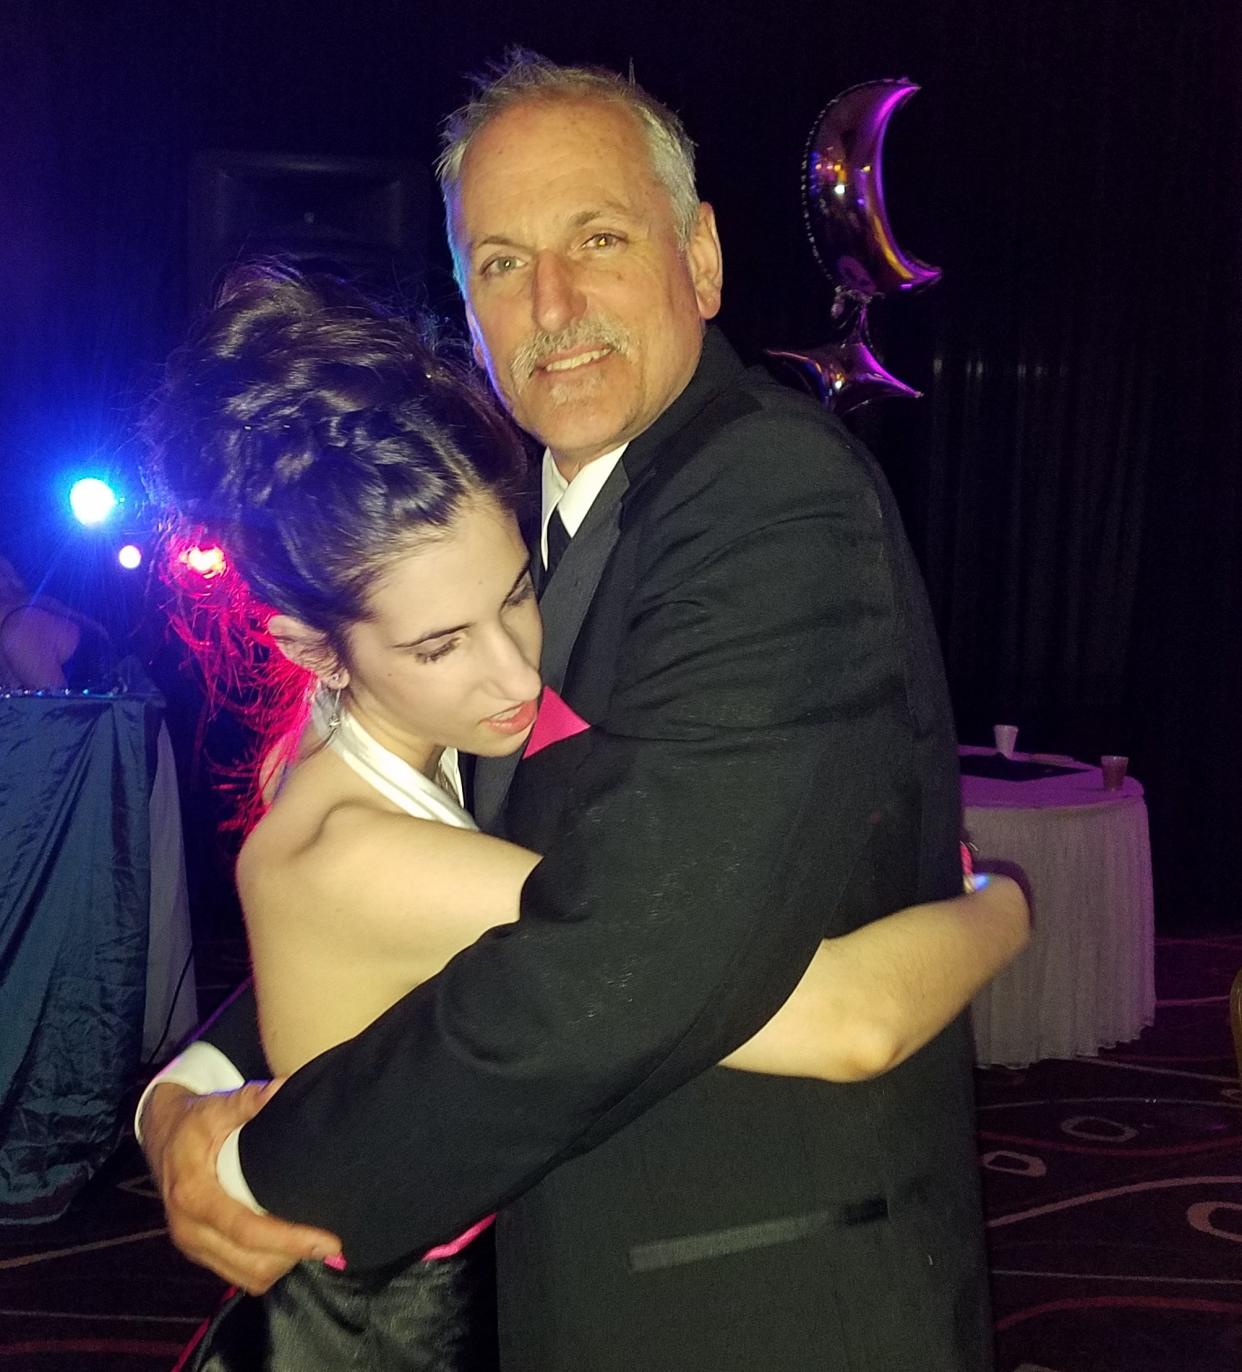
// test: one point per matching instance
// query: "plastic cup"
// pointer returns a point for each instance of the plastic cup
(1113, 768)
(1006, 736)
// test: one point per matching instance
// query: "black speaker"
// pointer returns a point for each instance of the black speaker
(362, 217)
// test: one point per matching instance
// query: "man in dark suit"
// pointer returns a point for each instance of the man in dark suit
(732, 610)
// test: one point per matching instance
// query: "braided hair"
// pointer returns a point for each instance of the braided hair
(315, 437)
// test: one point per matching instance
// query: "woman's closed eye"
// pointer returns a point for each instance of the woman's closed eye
(522, 592)
(436, 653)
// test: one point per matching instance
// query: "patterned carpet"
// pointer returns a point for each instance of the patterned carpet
(1113, 1189)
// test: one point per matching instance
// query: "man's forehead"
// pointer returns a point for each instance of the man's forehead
(580, 177)
(590, 131)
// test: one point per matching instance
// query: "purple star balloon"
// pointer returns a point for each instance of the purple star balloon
(845, 374)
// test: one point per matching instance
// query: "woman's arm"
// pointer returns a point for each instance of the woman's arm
(871, 998)
(37, 645)
(406, 895)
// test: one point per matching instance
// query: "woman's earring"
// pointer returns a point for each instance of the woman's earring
(334, 710)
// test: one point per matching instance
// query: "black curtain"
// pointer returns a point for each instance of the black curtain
(1070, 477)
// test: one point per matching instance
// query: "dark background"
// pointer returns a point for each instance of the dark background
(1070, 480)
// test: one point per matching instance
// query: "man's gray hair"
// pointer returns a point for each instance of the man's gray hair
(524, 75)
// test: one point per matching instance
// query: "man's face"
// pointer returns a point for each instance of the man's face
(583, 306)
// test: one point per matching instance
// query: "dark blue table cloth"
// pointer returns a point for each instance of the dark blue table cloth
(75, 886)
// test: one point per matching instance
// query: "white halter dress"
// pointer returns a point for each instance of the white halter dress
(392, 777)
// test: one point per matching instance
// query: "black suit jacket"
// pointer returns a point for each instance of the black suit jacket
(771, 759)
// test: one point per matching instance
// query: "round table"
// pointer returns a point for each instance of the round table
(1087, 979)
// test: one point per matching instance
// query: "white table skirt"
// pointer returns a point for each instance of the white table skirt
(1087, 980)
(172, 1000)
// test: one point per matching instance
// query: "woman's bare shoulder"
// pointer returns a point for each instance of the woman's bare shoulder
(296, 821)
(333, 855)
(360, 845)
(327, 833)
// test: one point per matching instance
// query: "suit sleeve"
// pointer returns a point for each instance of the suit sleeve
(714, 833)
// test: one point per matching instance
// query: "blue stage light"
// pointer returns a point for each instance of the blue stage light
(91, 500)
(130, 557)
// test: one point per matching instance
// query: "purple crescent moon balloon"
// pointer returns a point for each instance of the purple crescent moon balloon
(843, 203)
(843, 194)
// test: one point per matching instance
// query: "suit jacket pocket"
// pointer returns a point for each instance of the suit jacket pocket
(742, 1238)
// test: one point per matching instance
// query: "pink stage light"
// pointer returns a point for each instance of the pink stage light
(208, 562)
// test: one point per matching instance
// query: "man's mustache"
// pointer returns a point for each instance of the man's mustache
(583, 333)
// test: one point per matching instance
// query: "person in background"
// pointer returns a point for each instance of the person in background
(38, 636)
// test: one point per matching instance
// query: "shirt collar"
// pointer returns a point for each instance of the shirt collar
(573, 498)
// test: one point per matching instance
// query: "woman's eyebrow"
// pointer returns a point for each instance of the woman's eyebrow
(457, 628)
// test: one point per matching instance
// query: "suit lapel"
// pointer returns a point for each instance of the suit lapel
(563, 602)
(565, 599)
(718, 366)
(567, 596)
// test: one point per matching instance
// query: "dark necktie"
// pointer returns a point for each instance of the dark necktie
(558, 541)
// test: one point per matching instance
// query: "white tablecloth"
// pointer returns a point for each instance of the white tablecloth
(1087, 980)
(172, 1001)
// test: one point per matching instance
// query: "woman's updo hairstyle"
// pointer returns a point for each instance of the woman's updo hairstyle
(315, 437)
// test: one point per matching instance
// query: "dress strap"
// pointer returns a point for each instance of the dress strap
(390, 775)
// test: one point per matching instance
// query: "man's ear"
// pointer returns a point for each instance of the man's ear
(307, 648)
(706, 262)
(476, 336)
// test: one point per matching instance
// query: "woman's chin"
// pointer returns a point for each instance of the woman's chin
(500, 745)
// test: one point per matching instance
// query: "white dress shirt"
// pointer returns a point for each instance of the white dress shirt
(573, 498)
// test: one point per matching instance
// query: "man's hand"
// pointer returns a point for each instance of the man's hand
(182, 1133)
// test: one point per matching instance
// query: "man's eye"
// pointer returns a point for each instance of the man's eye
(435, 654)
(499, 266)
(603, 240)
